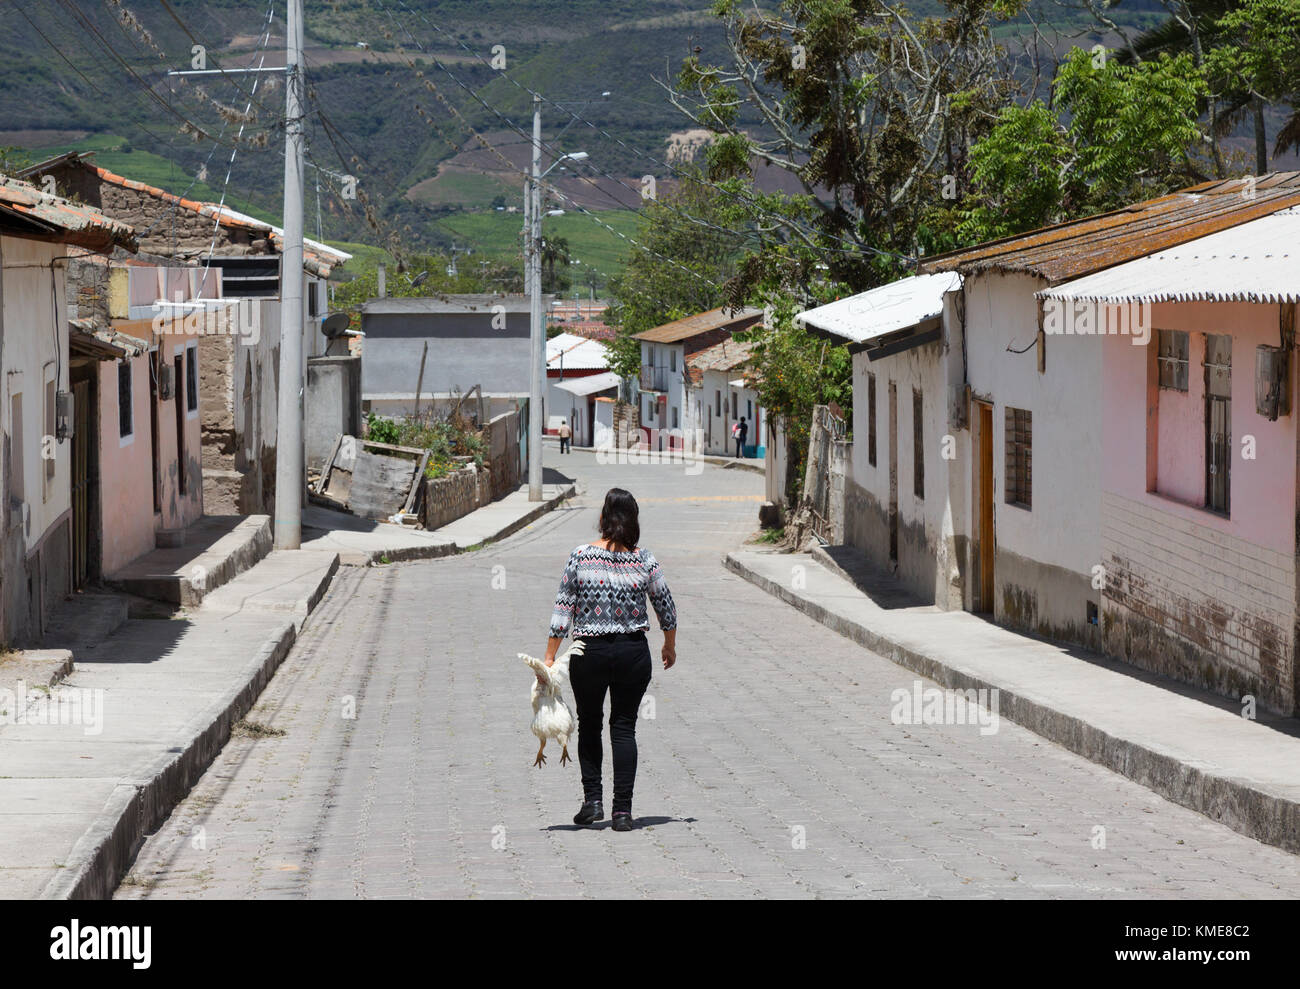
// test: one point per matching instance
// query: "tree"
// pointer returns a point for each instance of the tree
(685, 251)
(1259, 56)
(871, 110)
(1129, 132)
(792, 371)
(422, 277)
(555, 252)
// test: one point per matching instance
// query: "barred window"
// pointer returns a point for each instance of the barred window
(125, 426)
(871, 419)
(918, 447)
(1019, 454)
(1172, 359)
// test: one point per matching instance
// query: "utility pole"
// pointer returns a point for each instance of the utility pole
(537, 332)
(289, 478)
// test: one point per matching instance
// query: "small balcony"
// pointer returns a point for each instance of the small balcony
(655, 378)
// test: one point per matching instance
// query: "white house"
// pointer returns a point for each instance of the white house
(977, 432)
(38, 232)
(577, 373)
(718, 397)
(665, 381)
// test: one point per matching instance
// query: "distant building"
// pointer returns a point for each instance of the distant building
(460, 341)
(664, 383)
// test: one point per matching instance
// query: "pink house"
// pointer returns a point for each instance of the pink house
(1200, 456)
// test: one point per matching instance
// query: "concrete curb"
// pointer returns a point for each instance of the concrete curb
(1237, 803)
(104, 853)
(362, 558)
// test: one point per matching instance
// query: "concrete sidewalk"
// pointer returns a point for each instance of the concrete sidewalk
(93, 764)
(1191, 747)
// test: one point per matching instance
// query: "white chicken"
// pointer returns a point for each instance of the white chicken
(551, 715)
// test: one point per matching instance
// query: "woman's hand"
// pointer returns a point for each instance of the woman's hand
(669, 656)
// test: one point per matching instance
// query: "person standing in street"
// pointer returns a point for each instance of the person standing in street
(742, 433)
(603, 595)
(565, 434)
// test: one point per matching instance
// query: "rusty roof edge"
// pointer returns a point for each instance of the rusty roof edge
(985, 256)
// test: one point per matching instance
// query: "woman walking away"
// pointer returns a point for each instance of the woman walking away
(603, 593)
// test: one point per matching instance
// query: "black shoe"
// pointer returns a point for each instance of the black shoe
(590, 811)
(622, 821)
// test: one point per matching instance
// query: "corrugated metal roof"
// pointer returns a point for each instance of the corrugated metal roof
(576, 353)
(59, 219)
(690, 326)
(1258, 261)
(887, 309)
(1081, 247)
(590, 384)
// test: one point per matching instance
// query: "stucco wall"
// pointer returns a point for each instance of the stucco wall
(1045, 554)
(1189, 592)
(125, 468)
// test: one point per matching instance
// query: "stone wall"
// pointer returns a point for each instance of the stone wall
(448, 498)
(503, 453)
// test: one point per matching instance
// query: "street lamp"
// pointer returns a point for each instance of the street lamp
(537, 329)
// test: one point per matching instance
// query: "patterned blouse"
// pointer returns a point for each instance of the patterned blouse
(603, 591)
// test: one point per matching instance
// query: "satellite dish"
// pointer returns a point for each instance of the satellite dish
(335, 324)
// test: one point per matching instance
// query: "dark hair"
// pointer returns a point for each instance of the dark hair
(618, 519)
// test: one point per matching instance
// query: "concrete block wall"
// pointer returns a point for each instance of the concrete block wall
(1196, 603)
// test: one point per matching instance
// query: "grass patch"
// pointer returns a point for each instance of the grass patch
(255, 729)
(771, 535)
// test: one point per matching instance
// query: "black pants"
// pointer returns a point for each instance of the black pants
(564, 444)
(739, 443)
(619, 664)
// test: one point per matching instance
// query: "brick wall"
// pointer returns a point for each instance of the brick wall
(1191, 601)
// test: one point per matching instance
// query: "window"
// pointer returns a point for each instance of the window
(749, 409)
(313, 298)
(672, 357)
(717, 401)
(1218, 421)
(871, 419)
(125, 426)
(1019, 455)
(918, 447)
(735, 406)
(674, 417)
(191, 379)
(1172, 359)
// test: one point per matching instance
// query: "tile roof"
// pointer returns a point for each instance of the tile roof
(689, 326)
(1081, 247)
(55, 218)
(724, 356)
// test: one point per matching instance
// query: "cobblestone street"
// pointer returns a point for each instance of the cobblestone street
(769, 764)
